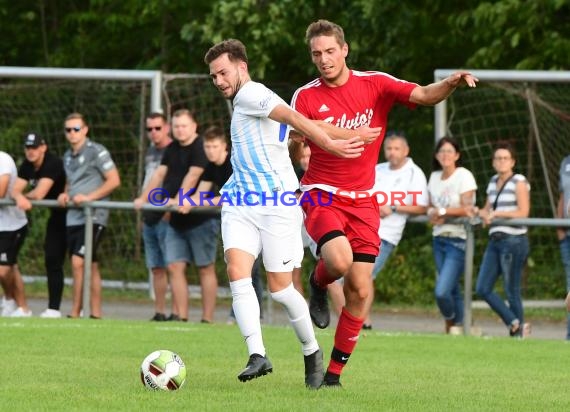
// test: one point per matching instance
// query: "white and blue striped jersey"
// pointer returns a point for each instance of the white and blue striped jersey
(259, 155)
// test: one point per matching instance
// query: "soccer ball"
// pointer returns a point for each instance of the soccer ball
(163, 369)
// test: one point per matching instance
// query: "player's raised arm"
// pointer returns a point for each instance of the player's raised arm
(350, 148)
(436, 92)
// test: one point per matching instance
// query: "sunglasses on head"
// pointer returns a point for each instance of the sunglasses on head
(76, 129)
(157, 128)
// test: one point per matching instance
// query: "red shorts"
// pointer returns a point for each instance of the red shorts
(357, 219)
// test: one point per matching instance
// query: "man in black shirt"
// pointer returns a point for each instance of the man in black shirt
(43, 173)
(187, 238)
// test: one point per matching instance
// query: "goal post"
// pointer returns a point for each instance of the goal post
(115, 104)
(530, 110)
(152, 76)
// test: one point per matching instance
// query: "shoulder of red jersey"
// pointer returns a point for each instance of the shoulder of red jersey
(312, 84)
(376, 74)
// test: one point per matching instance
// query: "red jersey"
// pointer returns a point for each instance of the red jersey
(364, 100)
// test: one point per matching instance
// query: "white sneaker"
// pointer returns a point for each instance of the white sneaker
(50, 313)
(8, 307)
(21, 313)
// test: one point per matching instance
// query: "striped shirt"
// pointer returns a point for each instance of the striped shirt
(259, 156)
(507, 202)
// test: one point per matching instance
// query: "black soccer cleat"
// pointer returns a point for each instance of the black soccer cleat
(257, 366)
(314, 370)
(331, 380)
(318, 304)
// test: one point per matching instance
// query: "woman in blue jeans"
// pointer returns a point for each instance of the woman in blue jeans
(451, 190)
(506, 253)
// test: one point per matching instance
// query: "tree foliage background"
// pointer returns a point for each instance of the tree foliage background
(408, 39)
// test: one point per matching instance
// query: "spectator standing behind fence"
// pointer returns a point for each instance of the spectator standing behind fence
(91, 175)
(189, 238)
(155, 223)
(43, 174)
(506, 253)
(451, 190)
(13, 230)
(217, 173)
(564, 233)
(396, 176)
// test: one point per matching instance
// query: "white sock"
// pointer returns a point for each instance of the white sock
(246, 310)
(298, 313)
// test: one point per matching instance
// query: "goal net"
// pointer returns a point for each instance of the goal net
(115, 111)
(531, 110)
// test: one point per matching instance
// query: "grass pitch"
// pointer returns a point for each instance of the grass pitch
(65, 364)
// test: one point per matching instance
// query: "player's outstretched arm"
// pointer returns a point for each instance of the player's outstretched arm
(342, 148)
(436, 92)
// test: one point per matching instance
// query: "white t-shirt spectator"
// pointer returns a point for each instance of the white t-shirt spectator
(11, 218)
(447, 193)
(408, 178)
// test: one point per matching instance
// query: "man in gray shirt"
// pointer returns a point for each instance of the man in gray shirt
(155, 223)
(91, 175)
(564, 233)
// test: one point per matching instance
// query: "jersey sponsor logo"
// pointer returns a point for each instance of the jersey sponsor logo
(359, 120)
(3, 257)
(324, 108)
(286, 261)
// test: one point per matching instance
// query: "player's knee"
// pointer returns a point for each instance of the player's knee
(339, 266)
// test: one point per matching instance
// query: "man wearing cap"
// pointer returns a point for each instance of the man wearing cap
(13, 229)
(42, 176)
(91, 175)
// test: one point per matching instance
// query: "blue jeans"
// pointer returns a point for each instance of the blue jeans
(154, 244)
(505, 254)
(386, 249)
(449, 255)
(565, 252)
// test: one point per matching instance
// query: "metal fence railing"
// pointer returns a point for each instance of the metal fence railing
(469, 223)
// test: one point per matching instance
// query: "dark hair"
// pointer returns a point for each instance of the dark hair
(157, 115)
(505, 146)
(233, 47)
(214, 132)
(324, 28)
(435, 165)
(396, 134)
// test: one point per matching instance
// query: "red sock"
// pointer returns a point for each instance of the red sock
(322, 277)
(345, 338)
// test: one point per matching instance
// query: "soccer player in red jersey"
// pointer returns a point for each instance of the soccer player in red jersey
(346, 229)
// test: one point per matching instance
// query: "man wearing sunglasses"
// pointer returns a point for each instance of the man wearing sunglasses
(155, 223)
(91, 175)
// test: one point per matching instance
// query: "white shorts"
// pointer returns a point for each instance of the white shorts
(273, 231)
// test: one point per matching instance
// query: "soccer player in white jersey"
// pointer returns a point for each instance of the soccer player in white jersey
(263, 222)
